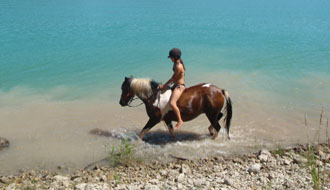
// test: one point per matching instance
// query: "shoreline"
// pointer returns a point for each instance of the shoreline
(290, 168)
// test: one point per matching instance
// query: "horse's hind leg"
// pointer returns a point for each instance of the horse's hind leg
(211, 130)
(217, 129)
(214, 118)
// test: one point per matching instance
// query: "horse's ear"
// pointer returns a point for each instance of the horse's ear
(131, 77)
(126, 78)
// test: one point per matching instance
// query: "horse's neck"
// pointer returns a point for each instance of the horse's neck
(150, 100)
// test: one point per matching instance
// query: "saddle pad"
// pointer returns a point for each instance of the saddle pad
(162, 102)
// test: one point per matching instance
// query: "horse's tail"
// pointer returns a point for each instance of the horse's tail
(228, 111)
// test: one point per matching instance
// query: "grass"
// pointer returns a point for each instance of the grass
(314, 168)
(124, 155)
(318, 176)
(279, 151)
(117, 178)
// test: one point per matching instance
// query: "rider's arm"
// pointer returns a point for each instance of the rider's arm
(176, 75)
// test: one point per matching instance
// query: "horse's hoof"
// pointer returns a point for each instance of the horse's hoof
(211, 130)
(215, 136)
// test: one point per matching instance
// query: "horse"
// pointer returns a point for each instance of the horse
(195, 100)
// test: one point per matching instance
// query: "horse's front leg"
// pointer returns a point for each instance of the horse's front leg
(150, 124)
(170, 127)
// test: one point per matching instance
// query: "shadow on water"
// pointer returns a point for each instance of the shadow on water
(158, 137)
(163, 137)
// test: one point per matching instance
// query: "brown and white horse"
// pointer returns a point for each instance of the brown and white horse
(195, 100)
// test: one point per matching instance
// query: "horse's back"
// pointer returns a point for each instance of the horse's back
(200, 88)
(202, 93)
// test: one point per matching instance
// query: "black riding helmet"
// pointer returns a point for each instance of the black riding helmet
(175, 53)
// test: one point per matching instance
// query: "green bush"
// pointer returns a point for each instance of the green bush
(123, 156)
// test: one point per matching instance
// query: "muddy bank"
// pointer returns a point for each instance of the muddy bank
(290, 168)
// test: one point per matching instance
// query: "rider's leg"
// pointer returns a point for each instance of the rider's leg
(174, 98)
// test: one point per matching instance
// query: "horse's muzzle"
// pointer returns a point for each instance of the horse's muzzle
(122, 103)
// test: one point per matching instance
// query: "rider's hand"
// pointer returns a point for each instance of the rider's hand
(160, 87)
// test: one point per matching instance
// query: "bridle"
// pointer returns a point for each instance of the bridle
(131, 100)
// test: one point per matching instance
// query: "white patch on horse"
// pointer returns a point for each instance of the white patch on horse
(162, 102)
(206, 85)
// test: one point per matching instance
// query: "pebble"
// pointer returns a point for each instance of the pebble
(228, 182)
(3, 143)
(180, 178)
(61, 178)
(199, 182)
(185, 169)
(263, 158)
(299, 160)
(163, 172)
(286, 162)
(151, 187)
(255, 168)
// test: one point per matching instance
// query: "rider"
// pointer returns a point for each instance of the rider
(178, 80)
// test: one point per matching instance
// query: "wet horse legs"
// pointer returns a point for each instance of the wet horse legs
(150, 124)
(170, 127)
(214, 120)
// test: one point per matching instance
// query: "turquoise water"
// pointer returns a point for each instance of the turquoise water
(93, 45)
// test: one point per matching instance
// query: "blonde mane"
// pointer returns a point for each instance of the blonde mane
(141, 88)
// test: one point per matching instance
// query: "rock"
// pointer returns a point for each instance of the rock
(121, 186)
(90, 186)
(263, 158)
(3, 143)
(255, 168)
(60, 178)
(11, 186)
(319, 163)
(185, 169)
(286, 162)
(163, 172)
(180, 178)
(264, 152)
(66, 183)
(133, 187)
(299, 160)
(154, 181)
(270, 176)
(199, 182)
(78, 180)
(325, 157)
(228, 182)
(4, 180)
(151, 187)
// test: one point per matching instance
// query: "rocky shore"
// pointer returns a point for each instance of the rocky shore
(299, 167)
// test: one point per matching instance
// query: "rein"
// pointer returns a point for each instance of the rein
(129, 103)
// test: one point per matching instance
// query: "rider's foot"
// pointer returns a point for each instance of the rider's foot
(178, 125)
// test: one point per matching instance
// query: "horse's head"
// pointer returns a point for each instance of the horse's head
(126, 92)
